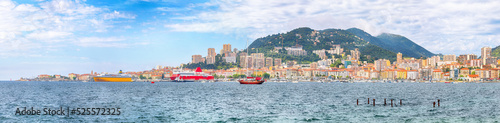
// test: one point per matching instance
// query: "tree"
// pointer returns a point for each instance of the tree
(142, 77)
(267, 75)
(473, 73)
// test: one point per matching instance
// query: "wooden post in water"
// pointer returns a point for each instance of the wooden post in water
(357, 101)
(391, 102)
(433, 104)
(400, 102)
(373, 102)
(368, 100)
(438, 103)
(385, 102)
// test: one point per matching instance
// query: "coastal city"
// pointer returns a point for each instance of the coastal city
(444, 68)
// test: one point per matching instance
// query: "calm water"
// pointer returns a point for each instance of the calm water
(269, 102)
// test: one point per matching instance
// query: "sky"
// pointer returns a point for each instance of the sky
(66, 36)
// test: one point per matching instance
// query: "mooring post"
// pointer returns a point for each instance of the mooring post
(357, 101)
(438, 102)
(391, 102)
(368, 100)
(373, 102)
(385, 102)
(400, 102)
(433, 104)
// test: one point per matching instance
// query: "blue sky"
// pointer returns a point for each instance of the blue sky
(64, 36)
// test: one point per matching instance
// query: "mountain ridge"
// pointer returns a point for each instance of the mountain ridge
(395, 43)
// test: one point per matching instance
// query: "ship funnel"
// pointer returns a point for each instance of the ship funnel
(120, 72)
(198, 69)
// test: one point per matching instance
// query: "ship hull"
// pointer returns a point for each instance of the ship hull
(251, 82)
(112, 79)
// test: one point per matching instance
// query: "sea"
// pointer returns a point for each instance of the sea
(269, 102)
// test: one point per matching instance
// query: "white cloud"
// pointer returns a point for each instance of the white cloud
(49, 36)
(26, 28)
(102, 42)
(116, 14)
(434, 24)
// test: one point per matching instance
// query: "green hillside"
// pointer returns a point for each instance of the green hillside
(317, 40)
(394, 43)
(495, 52)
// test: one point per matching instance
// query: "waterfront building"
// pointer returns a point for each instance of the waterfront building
(72, 76)
(401, 74)
(485, 54)
(464, 72)
(412, 74)
(43, 76)
(495, 73)
(437, 74)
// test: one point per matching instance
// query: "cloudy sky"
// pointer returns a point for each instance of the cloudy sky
(65, 36)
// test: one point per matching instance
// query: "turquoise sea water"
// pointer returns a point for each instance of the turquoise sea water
(269, 102)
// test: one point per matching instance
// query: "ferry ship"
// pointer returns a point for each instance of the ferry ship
(191, 76)
(113, 77)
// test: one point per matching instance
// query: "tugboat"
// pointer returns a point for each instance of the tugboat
(251, 80)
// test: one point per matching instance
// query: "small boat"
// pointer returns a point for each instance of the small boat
(251, 80)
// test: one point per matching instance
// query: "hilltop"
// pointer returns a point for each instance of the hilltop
(394, 43)
(371, 48)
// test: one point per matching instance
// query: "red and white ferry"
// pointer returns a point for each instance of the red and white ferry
(198, 75)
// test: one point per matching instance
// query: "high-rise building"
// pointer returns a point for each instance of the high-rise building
(485, 54)
(355, 54)
(381, 64)
(210, 59)
(432, 61)
(452, 58)
(211, 56)
(277, 62)
(269, 62)
(399, 58)
(258, 60)
(226, 48)
(465, 57)
(197, 59)
(211, 52)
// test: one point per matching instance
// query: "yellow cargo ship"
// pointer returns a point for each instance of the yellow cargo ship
(113, 78)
